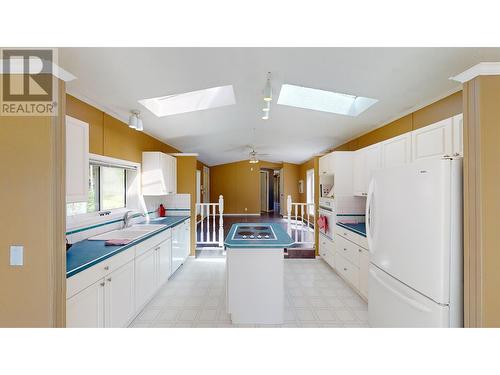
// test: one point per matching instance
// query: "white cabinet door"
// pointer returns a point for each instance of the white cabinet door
(86, 308)
(364, 262)
(159, 173)
(458, 138)
(433, 141)
(323, 165)
(77, 160)
(145, 278)
(358, 172)
(119, 296)
(396, 151)
(187, 239)
(164, 258)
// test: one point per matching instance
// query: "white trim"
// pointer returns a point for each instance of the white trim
(481, 69)
(134, 199)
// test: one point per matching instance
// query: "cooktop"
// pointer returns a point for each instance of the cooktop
(257, 232)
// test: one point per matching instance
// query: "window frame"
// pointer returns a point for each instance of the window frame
(133, 197)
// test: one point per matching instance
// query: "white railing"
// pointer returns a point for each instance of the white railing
(301, 228)
(209, 212)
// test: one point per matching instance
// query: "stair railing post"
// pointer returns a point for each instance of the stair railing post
(221, 221)
(289, 214)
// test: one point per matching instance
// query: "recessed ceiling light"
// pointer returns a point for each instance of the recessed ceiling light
(190, 101)
(325, 101)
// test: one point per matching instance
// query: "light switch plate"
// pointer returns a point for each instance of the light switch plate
(16, 255)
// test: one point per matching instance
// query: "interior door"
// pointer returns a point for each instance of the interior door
(408, 231)
(393, 304)
(282, 192)
(119, 296)
(206, 185)
(264, 199)
(198, 190)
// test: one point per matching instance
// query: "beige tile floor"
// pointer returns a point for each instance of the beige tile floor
(315, 296)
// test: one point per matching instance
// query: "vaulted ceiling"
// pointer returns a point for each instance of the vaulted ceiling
(402, 79)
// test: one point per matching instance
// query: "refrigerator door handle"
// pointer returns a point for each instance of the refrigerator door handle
(368, 216)
(410, 301)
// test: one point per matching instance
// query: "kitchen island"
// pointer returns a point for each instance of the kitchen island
(254, 272)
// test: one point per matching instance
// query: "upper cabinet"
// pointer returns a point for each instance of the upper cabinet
(159, 173)
(336, 169)
(433, 141)
(396, 151)
(366, 160)
(77, 160)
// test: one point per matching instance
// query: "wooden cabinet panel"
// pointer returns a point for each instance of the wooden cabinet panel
(159, 173)
(164, 256)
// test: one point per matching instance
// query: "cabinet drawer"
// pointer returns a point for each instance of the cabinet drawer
(348, 250)
(144, 246)
(83, 279)
(351, 236)
(347, 270)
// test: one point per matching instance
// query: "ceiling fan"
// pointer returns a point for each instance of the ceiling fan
(254, 155)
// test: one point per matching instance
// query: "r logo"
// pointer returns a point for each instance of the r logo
(28, 75)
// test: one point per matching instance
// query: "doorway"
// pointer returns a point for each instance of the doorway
(264, 191)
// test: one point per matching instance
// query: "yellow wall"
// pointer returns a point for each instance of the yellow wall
(444, 108)
(33, 201)
(112, 137)
(186, 184)
(239, 183)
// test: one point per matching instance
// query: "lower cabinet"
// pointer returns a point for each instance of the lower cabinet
(119, 296)
(145, 278)
(350, 259)
(86, 308)
(112, 292)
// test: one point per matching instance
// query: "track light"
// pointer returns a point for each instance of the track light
(268, 90)
(135, 121)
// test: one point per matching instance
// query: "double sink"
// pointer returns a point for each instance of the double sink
(130, 233)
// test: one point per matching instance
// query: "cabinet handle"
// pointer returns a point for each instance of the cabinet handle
(360, 250)
(101, 284)
(456, 154)
(345, 249)
(109, 278)
(345, 233)
(345, 269)
(106, 268)
(158, 248)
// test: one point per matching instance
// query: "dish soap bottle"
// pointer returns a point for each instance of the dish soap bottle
(161, 211)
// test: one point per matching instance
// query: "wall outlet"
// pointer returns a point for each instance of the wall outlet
(246, 209)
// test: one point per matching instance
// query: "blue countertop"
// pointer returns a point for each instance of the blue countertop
(359, 228)
(86, 253)
(282, 238)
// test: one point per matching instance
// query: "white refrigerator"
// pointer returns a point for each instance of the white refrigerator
(414, 232)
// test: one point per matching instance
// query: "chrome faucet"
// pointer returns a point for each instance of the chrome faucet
(127, 217)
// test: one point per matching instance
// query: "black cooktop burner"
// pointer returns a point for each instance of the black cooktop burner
(258, 232)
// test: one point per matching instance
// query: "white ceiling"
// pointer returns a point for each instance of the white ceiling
(402, 79)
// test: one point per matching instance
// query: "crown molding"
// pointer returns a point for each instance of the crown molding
(481, 69)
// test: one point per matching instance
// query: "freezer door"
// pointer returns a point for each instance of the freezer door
(393, 304)
(408, 225)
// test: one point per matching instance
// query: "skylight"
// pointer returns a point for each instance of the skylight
(325, 101)
(190, 101)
